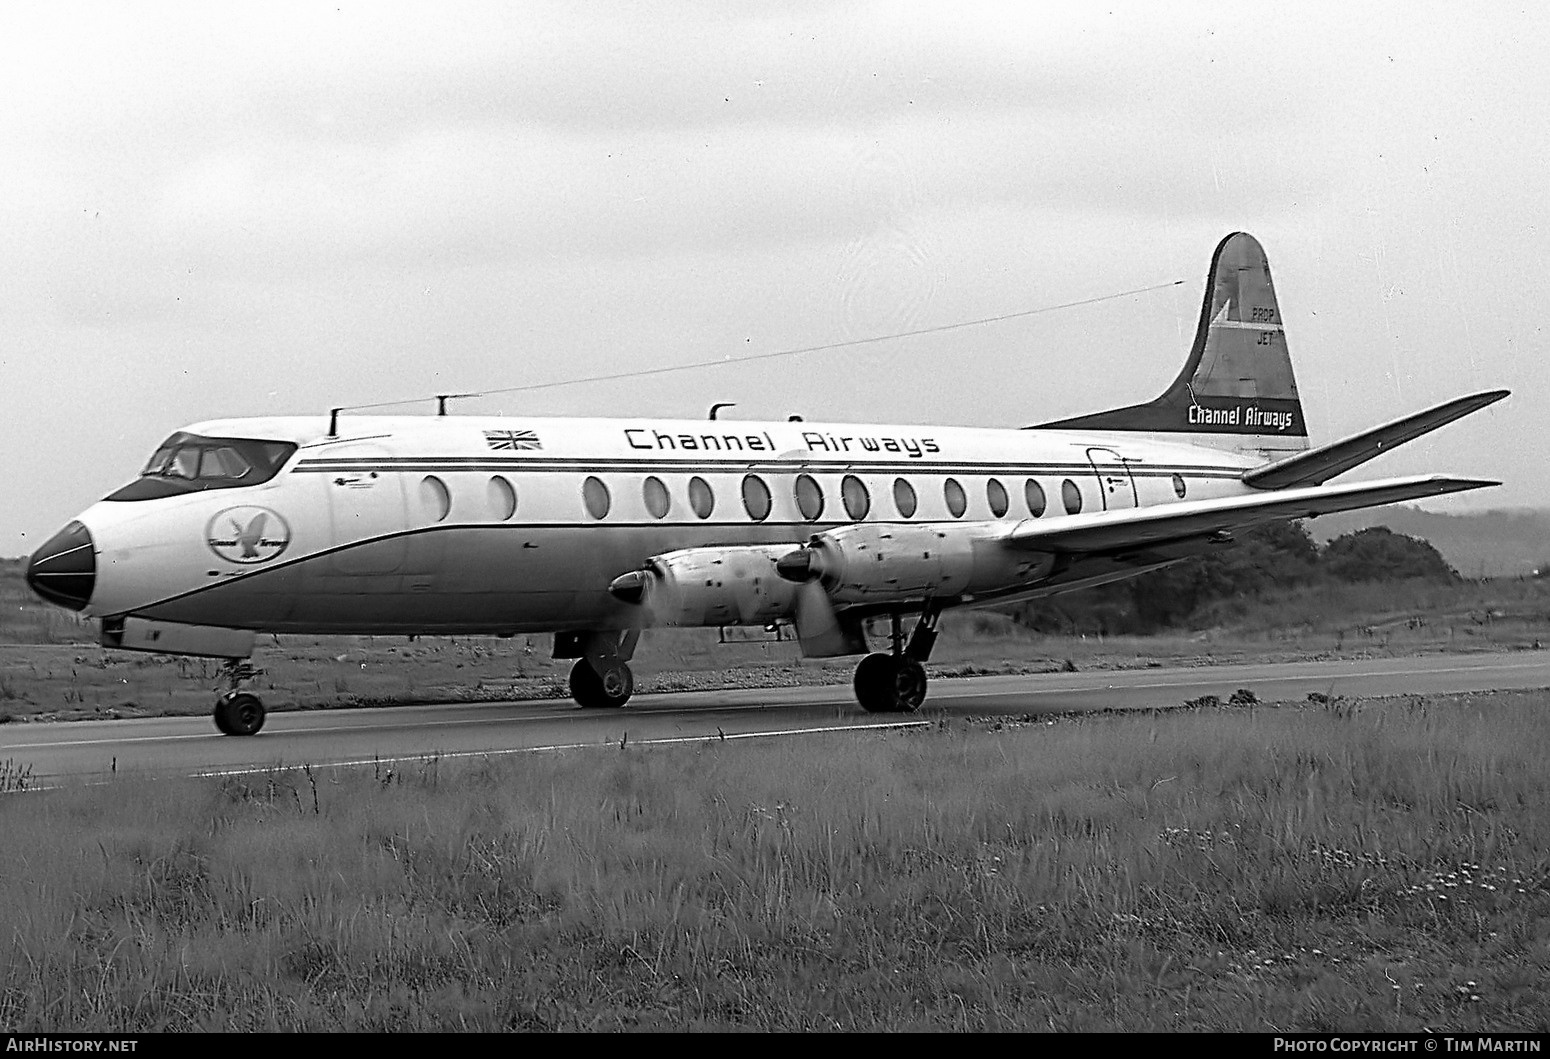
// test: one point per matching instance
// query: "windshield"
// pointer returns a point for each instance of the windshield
(188, 463)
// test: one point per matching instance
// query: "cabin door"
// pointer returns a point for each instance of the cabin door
(1116, 484)
(366, 504)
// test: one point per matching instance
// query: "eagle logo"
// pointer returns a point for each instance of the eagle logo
(247, 535)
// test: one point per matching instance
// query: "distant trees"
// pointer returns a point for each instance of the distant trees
(1263, 558)
(1380, 554)
(1261, 562)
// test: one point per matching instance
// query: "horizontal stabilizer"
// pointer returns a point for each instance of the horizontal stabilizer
(1142, 527)
(1325, 462)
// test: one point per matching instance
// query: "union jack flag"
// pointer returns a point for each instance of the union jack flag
(511, 440)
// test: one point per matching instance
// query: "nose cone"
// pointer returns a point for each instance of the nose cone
(64, 570)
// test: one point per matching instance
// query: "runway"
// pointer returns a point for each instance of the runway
(168, 746)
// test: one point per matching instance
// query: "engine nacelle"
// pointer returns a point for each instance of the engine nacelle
(878, 563)
(712, 586)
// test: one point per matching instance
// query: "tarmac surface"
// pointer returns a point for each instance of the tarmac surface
(169, 746)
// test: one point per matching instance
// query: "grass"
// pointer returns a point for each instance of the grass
(1374, 865)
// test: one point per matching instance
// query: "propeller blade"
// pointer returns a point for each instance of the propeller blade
(820, 629)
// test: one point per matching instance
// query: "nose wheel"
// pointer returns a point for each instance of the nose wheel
(239, 713)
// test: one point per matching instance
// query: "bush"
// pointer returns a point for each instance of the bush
(1380, 554)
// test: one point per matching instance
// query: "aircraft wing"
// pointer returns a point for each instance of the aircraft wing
(1143, 527)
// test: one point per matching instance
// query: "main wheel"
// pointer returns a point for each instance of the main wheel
(890, 684)
(239, 713)
(613, 687)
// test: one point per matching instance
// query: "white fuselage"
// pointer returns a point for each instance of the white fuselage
(502, 525)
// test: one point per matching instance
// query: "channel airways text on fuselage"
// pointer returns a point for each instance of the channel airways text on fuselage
(652, 439)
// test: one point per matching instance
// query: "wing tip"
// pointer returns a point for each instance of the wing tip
(1449, 484)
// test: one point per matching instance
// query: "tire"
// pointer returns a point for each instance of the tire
(890, 684)
(874, 676)
(239, 713)
(610, 689)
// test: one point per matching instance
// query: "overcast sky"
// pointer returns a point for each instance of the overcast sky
(220, 210)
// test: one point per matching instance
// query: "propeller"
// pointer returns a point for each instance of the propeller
(818, 626)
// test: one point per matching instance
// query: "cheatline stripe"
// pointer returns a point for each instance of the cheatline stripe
(421, 464)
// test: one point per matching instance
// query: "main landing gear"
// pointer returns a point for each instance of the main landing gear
(611, 687)
(896, 682)
(238, 712)
(601, 676)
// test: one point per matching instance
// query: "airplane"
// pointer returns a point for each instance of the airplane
(593, 530)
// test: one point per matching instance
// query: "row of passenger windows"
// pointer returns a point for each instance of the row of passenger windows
(855, 498)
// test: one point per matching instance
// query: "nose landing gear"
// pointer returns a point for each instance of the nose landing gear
(239, 712)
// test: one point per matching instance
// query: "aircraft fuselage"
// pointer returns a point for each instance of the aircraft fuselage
(492, 525)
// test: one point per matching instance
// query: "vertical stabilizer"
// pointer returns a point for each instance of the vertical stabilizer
(1236, 390)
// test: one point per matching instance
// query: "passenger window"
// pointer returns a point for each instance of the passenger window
(904, 498)
(701, 500)
(435, 498)
(756, 498)
(502, 498)
(595, 495)
(1033, 493)
(857, 500)
(657, 500)
(995, 492)
(809, 497)
(1071, 496)
(957, 500)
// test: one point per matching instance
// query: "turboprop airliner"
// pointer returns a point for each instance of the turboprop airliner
(593, 530)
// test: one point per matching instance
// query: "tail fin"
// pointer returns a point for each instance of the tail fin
(1236, 391)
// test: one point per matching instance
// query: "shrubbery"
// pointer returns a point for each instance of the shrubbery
(1261, 562)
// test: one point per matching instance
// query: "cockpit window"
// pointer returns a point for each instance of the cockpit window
(223, 462)
(187, 463)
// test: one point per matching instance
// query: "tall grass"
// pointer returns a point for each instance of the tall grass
(1310, 868)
